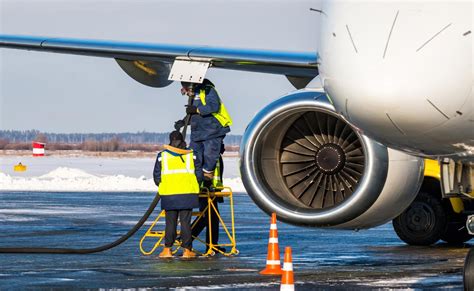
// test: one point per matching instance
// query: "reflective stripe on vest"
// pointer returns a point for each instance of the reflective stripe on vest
(216, 181)
(177, 175)
(222, 115)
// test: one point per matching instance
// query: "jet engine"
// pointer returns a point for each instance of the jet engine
(149, 73)
(304, 161)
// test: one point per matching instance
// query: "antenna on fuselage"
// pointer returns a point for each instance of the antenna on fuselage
(317, 10)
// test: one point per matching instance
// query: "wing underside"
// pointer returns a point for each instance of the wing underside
(301, 65)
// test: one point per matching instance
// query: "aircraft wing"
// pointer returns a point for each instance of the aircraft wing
(301, 65)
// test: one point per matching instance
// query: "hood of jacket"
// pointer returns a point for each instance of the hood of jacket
(176, 151)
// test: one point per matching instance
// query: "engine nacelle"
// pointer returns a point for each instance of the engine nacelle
(150, 73)
(302, 160)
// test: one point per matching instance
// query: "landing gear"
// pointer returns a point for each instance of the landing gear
(429, 219)
(456, 233)
(468, 275)
(424, 222)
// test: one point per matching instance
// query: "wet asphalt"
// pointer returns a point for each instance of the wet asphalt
(323, 259)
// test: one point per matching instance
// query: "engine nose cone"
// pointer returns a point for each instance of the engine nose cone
(330, 158)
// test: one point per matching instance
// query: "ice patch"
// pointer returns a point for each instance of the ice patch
(49, 211)
(7, 218)
(230, 286)
(133, 222)
(64, 279)
(395, 282)
(429, 279)
(345, 257)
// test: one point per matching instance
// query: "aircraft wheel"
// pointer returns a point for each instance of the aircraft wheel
(423, 222)
(468, 273)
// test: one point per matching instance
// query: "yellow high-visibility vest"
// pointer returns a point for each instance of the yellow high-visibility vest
(222, 115)
(216, 181)
(177, 175)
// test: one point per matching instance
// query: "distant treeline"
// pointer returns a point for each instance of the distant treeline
(18, 139)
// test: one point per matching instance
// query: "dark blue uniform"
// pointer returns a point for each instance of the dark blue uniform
(207, 133)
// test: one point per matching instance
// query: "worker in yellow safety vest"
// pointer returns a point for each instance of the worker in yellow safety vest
(210, 122)
(178, 186)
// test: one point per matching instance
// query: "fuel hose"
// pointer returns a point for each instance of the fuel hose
(187, 119)
(41, 250)
(38, 250)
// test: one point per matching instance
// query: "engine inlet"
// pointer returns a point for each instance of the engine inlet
(321, 160)
(302, 160)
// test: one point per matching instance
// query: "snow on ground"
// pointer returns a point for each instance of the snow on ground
(91, 174)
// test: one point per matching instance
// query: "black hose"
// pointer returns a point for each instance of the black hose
(187, 119)
(35, 250)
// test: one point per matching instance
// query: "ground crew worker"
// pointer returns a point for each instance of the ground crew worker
(174, 174)
(210, 123)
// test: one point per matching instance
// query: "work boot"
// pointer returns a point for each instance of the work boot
(188, 254)
(166, 253)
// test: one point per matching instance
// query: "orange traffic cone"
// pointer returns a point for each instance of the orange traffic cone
(287, 281)
(273, 258)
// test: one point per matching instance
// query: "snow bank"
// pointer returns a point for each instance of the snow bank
(70, 179)
(67, 173)
(235, 184)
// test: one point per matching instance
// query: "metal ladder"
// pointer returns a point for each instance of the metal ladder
(156, 233)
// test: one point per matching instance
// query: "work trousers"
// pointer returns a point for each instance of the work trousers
(207, 153)
(171, 224)
(204, 221)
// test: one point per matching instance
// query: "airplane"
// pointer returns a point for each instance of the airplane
(390, 84)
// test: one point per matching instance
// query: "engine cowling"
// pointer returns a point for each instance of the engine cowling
(302, 160)
(150, 73)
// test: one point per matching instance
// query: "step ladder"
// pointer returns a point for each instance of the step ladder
(155, 234)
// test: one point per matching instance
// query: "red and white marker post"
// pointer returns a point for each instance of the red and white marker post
(38, 149)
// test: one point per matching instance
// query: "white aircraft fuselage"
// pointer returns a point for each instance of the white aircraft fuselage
(402, 72)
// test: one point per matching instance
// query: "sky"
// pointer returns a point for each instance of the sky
(66, 93)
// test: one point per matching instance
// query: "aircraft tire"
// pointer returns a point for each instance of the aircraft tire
(468, 272)
(423, 222)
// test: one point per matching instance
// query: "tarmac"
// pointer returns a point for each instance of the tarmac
(322, 259)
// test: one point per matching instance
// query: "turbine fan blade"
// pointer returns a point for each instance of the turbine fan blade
(321, 159)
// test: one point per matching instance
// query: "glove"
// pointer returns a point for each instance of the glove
(178, 124)
(191, 109)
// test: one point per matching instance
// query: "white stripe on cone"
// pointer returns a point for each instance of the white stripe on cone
(273, 226)
(273, 262)
(287, 267)
(273, 240)
(287, 287)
